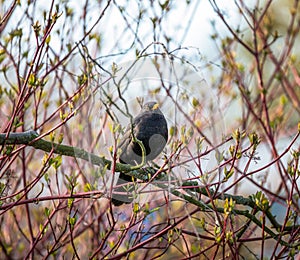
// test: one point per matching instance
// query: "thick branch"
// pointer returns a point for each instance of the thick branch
(31, 138)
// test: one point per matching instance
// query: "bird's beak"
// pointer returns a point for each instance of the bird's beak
(156, 106)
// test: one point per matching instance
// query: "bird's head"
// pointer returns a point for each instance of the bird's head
(151, 107)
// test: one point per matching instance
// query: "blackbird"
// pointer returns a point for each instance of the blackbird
(150, 127)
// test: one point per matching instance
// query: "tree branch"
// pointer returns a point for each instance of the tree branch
(31, 138)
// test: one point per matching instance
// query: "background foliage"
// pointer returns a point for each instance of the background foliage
(226, 184)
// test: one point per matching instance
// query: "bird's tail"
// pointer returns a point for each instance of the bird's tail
(125, 188)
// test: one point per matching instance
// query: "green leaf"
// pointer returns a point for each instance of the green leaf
(87, 187)
(195, 102)
(31, 80)
(228, 173)
(47, 212)
(136, 208)
(70, 202)
(173, 131)
(72, 220)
